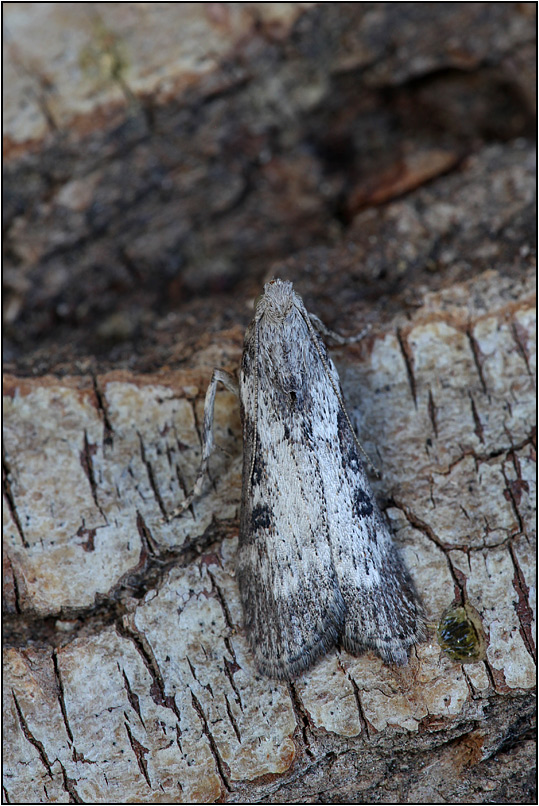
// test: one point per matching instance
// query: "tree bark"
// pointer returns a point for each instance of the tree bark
(146, 205)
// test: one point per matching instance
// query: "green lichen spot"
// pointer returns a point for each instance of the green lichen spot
(461, 635)
(103, 59)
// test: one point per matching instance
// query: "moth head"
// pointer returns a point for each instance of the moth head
(276, 301)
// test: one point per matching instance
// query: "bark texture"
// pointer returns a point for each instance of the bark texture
(162, 160)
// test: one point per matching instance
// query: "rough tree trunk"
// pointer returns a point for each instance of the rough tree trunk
(161, 161)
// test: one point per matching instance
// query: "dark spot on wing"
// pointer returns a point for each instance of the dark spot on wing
(362, 503)
(294, 396)
(261, 517)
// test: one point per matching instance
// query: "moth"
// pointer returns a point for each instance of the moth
(316, 566)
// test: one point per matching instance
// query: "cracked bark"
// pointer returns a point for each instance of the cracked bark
(389, 186)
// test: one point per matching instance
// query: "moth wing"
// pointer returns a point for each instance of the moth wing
(293, 609)
(383, 610)
(383, 613)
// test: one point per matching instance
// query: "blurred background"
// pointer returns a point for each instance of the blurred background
(161, 160)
